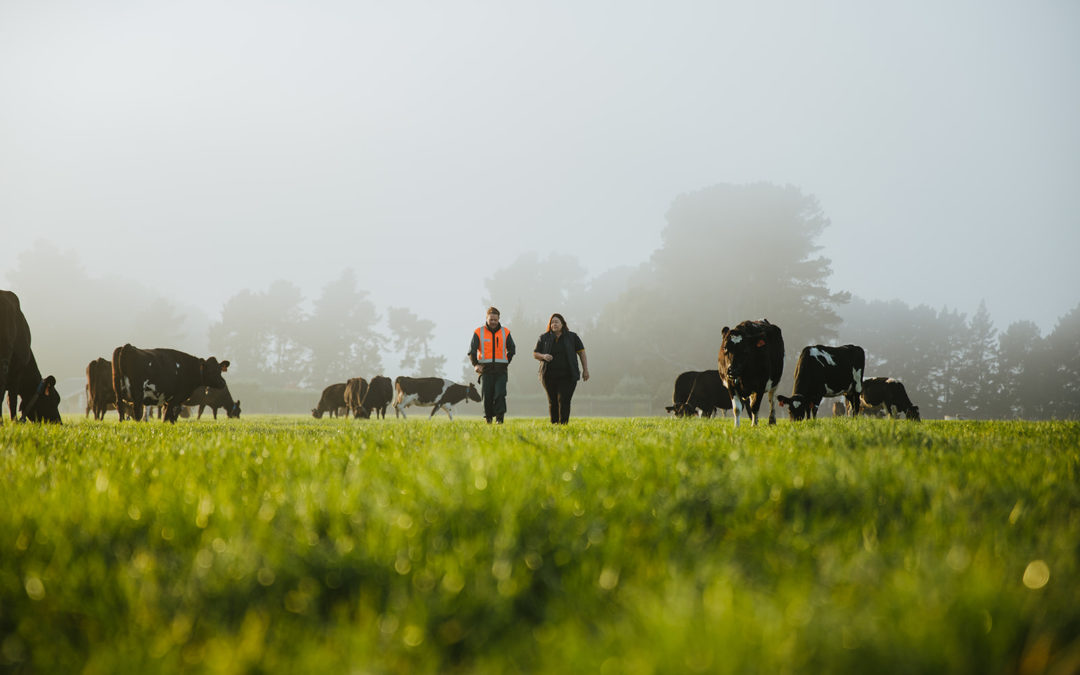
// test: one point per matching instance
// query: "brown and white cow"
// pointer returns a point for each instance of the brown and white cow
(214, 398)
(824, 371)
(380, 394)
(19, 373)
(699, 393)
(891, 394)
(164, 377)
(750, 363)
(431, 391)
(356, 389)
(332, 401)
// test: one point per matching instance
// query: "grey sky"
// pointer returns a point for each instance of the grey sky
(207, 147)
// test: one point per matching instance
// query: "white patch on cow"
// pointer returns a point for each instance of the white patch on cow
(856, 375)
(151, 395)
(736, 406)
(734, 339)
(126, 388)
(822, 356)
(795, 404)
(768, 385)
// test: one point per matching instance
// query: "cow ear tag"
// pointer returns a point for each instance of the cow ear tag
(761, 343)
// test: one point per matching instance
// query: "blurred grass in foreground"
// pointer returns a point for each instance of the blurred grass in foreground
(283, 544)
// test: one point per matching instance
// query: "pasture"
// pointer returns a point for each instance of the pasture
(287, 544)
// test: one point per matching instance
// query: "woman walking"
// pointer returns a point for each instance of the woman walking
(558, 351)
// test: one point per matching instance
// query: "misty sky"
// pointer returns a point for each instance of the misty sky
(206, 147)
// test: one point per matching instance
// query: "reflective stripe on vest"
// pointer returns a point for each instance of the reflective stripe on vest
(492, 347)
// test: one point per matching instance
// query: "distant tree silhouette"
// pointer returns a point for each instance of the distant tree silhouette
(412, 338)
(340, 333)
(728, 253)
(263, 334)
(1022, 373)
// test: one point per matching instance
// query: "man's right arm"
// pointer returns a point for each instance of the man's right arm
(474, 345)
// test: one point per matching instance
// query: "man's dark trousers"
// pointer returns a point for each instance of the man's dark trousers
(493, 388)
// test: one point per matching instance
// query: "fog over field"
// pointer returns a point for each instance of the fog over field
(204, 148)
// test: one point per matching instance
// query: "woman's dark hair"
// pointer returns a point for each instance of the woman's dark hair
(558, 316)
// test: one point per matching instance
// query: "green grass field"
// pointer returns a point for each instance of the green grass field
(289, 545)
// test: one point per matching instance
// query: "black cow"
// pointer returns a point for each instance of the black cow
(699, 392)
(890, 394)
(214, 398)
(20, 376)
(433, 391)
(356, 388)
(332, 401)
(825, 371)
(750, 363)
(164, 377)
(380, 394)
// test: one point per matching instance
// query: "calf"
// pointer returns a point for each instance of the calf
(825, 371)
(163, 377)
(750, 363)
(891, 394)
(215, 398)
(19, 373)
(356, 389)
(380, 394)
(332, 401)
(431, 391)
(699, 392)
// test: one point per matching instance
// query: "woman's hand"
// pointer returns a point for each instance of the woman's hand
(585, 374)
(548, 357)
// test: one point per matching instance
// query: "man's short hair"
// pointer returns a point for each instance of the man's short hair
(493, 310)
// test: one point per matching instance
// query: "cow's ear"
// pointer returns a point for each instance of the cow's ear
(724, 331)
(761, 342)
(224, 366)
(782, 400)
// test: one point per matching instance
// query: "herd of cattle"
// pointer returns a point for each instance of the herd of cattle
(749, 366)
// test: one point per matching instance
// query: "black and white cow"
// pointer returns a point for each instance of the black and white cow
(161, 377)
(822, 372)
(891, 394)
(433, 391)
(699, 392)
(750, 363)
(332, 401)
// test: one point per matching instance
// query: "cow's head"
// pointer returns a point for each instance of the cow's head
(44, 405)
(234, 411)
(736, 353)
(681, 410)
(472, 394)
(362, 413)
(912, 413)
(316, 413)
(211, 372)
(797, 406)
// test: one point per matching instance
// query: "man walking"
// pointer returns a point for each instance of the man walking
(491, 351)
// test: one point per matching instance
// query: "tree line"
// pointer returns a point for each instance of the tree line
(727, 253)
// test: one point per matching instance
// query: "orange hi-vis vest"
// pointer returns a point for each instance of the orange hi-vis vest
(492, 347)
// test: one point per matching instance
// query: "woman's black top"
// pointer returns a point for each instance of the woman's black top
(564, 349)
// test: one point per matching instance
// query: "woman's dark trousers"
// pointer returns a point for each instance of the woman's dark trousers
(560, 389)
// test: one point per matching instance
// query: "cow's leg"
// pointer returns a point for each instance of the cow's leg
(137, 410)
(434, 409)
(448, 408)
(736, 407)
(754, 408)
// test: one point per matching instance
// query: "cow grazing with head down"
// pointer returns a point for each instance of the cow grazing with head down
(19, 373)
(214, 398)
(431, 391)
(883, 391)
(380, 393)
(356, 389)
(824, 372)
(332, 401)
(164, 377)
(750, 363)
(699, 393)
